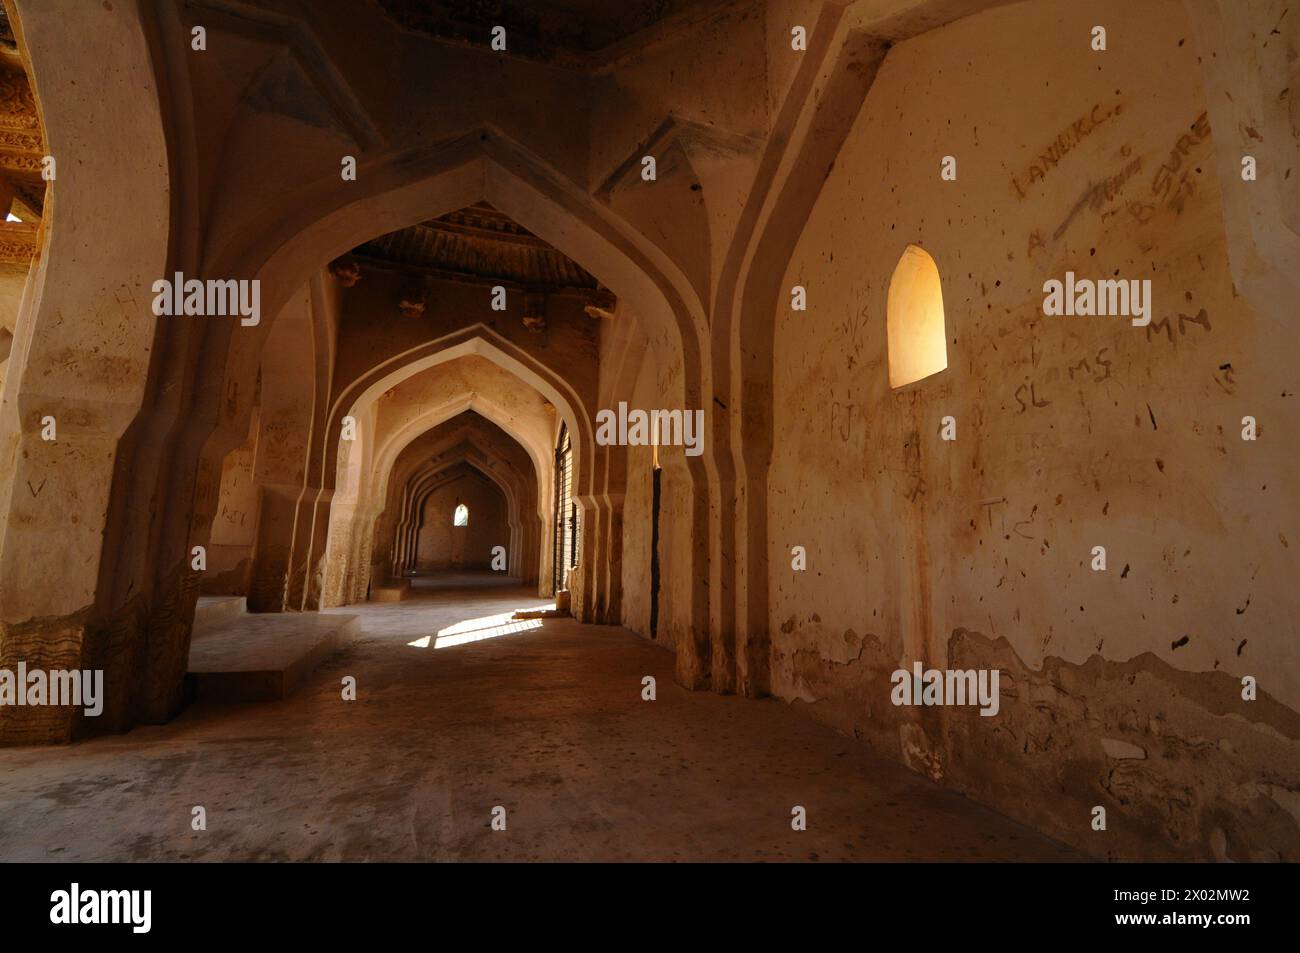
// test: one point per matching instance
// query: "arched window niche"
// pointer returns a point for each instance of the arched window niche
(917, 336)
(461, 516)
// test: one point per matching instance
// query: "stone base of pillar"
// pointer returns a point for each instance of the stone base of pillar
(391, 591)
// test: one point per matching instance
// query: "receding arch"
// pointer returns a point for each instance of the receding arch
(425, 479)
(445, 537)
(482, 342)
(469, 441)
(433, 419)
(348, 512)
(406, 189)
(363, 494)
(388, 452)
(396, 190)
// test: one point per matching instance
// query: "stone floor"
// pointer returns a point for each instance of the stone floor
(460, 710)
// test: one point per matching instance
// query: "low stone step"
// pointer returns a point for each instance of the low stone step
(262, 656)
(213, 610)
(394, 591)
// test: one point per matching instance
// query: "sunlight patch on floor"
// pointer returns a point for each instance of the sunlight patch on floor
(476, 630)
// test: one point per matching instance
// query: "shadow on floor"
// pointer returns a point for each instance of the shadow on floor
(461, 579)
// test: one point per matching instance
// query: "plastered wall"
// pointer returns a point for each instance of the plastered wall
(1120, 688)
(655, 390)
(235, 528)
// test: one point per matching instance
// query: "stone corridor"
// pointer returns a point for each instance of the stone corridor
(907, 387)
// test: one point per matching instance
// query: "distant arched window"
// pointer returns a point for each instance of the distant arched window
(918, 345)
(462, 516)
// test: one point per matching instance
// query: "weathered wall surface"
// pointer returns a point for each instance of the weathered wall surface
(445, 546)
(637, 508)
(234, 530)
(656, 390)
(675, 581)
(289, 388)
(637, 511)
(1119, 688)
(12, 280)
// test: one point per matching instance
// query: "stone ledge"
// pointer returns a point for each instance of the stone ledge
(262, 657)
(392, 592)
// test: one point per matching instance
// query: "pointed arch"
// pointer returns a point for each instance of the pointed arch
(400, 189)
(916, 335)
(351, 514)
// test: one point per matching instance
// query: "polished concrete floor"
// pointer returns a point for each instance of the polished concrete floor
(460, 710)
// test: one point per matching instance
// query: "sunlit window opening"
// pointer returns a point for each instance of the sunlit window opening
(462, 516)
(918, 345)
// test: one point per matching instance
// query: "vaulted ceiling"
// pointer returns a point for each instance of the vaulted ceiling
(22, 148)
(478, 244)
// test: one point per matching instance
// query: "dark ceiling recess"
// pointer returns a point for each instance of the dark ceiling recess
(477, 245)
(559, 30)
(481, 245)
